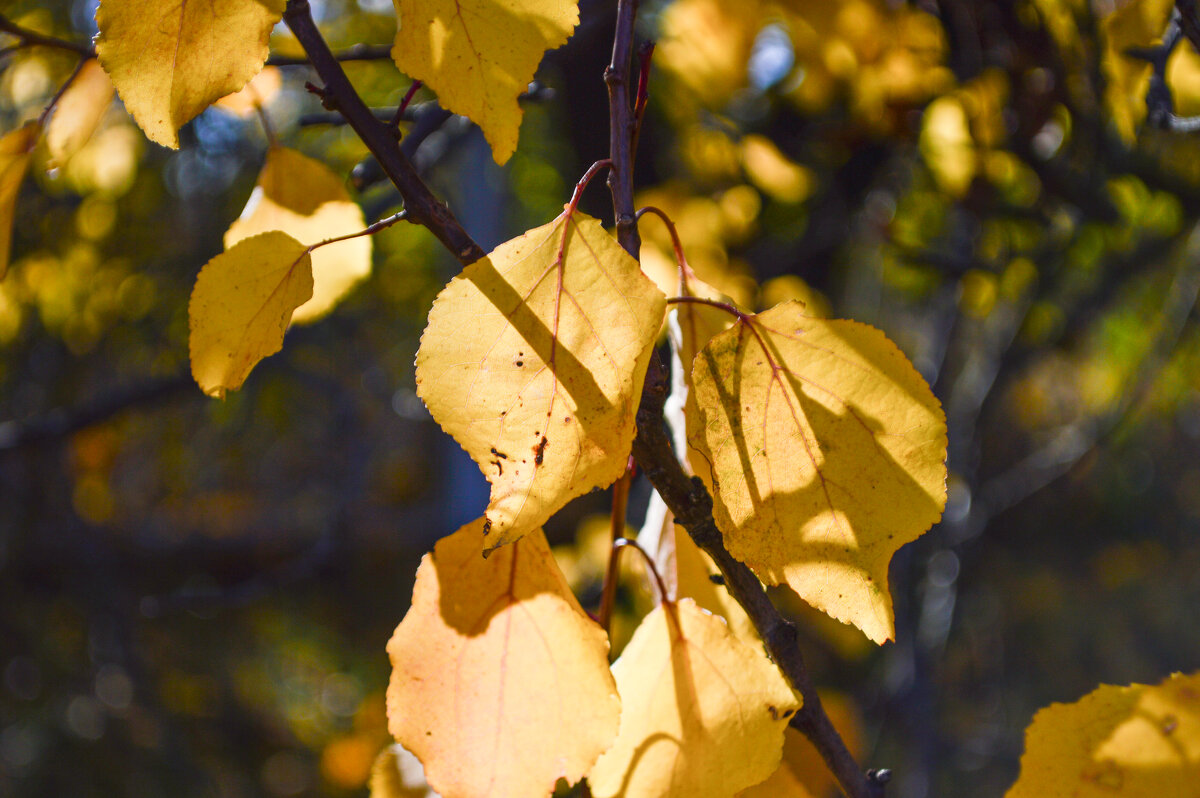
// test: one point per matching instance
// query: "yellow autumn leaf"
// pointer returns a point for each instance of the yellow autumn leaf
(305, 199)
(1139, 741)
(170, 59)
(500, 682)
(826, 450)
(479, 55)
(16, 148)
(241, 306)
(702, 714)
(78, 112)
(533, 360)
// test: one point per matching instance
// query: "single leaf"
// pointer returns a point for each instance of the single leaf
(826, 450)
(533, 361)
(78, 112)
(16, 148)
(305, 199)
(702, 714)
(1131, 741)
(170, 59)
(479, 55)
(241, 306)
(500, 682)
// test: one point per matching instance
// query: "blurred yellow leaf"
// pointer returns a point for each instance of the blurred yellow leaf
(1139, 23)
(500, 683)
(826, 451)
(305, 199)
(78, 112)
(1131, 741)
(705, 44)
(479, 55)
(947, 146)
(256, 94)
(16, 148)
(533, 361)
(170, 59)
(702, 715)
(695, 573)
(774, 172)
(241, 306)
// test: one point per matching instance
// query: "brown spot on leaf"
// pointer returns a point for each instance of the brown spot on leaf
(539, 451)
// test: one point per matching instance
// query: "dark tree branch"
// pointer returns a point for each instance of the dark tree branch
(359, 52)
(29, 38)
(57, 424)
(686, 497)
(423, 207)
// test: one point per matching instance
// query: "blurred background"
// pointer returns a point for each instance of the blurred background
(195, 594)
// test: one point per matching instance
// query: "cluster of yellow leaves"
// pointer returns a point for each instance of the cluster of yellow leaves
(878, 54)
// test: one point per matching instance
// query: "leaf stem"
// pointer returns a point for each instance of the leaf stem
(698, 300)
(620, 500)
(29, 38)
(398, 117)
(382, 224)
(685, 271)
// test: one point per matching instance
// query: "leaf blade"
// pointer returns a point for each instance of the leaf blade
(827, 453)
(535, 367)
(171, 59)
(479, 55)
(703, 714)
(241, 306)
(547, 712)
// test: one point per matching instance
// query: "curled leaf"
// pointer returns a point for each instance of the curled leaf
(241, 306)
(533, 360)
(826, 451)
(500, 683)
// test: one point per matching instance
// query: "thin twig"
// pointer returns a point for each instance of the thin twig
(423, 207)
(29, 38)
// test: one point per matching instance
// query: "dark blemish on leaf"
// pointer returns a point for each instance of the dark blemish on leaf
(520, 363)
(1170, 724)
(566, 419)
(487, 526)
(499, 468)
(716, 579)
(540, 451)
(501, 455)
(774, 712)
